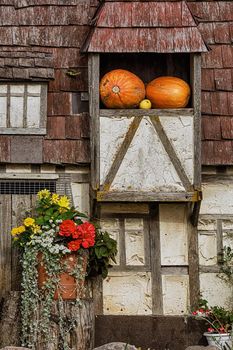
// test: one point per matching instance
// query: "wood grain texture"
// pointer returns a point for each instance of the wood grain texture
(195, 64)
(157, 300)
(79, 338)
(10, 325)
(5, 245)
(129, 113)
(193, 261)
(128, 196)
(20, 204)
(93, 80)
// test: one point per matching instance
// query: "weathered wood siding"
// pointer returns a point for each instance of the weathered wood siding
(41, 42)
(12, 209)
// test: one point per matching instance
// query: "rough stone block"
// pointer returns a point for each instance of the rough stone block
(198, 347)
(14, 348)
(116, 346)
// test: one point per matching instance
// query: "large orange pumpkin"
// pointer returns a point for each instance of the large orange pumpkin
(120, 88)
(168, 92)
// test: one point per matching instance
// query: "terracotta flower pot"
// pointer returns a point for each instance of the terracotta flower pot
(68, 288)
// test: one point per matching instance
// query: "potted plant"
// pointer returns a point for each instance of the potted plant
(60, 249)
(219, 321)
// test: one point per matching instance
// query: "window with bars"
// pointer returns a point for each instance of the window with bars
(23, 108)
(23, 187)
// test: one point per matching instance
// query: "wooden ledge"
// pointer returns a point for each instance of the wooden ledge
(129, 113)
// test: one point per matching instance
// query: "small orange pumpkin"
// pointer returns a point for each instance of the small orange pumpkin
(120, 88)
(168, 92)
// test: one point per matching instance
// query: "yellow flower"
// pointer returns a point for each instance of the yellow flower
(36, 228)
(29, 222)
(64, 202)
(43, 194)
(18, 230)
(55, 198)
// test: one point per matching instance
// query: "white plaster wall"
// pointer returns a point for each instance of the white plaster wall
(134, 242)
(207, 224)
(146, 165)
(180, 132)
(215, 290)
(207, 248)
(175, 294)
(173, 234)
(112, 133)
(80, 194)
(113, 228)
(127, 293)
(217, 198)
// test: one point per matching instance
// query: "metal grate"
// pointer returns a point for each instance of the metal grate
(26, 187)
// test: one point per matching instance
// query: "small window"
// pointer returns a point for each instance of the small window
(23, 108)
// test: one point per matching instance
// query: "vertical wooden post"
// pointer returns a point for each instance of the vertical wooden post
(195, 77)
(156, 274)
(93, 80)
(5, 245)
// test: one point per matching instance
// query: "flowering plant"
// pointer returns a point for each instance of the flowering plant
(219, 320)
(54, 231)
(56, 225)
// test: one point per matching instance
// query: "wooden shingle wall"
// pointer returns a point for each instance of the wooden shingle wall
(215, 20)
(42, 43)
(39, 42)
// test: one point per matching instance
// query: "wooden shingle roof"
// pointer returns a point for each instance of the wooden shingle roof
(145, 27)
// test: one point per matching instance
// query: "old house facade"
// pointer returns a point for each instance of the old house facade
(46, 100)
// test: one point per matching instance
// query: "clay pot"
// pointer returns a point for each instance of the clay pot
(67, 288)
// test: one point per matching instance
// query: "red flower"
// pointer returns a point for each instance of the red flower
(67, 228)
(194, 313)
(86, 234)
(222, 330)
(74, 245)
(210, 330)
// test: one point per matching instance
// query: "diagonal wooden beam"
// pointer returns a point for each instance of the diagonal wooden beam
(121, 153)
(171, 153)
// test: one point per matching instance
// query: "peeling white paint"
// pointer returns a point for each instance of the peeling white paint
(215, 290)
(227, 224)
(218, 198)
(173, 234)
(112, 133)
(112, 227)
(180, 132)
(146, 165)
(175, 294)
(127, 293)
(134, 242)
(228, 239)
(80, 195)
(207, 224)
(207, 249)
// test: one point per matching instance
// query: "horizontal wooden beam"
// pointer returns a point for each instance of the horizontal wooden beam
(174, 270)
(27, 176)
(129, 196)
(129, 113)
(23, 131)
(124, 208)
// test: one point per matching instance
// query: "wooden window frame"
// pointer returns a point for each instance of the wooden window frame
(41, 130)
